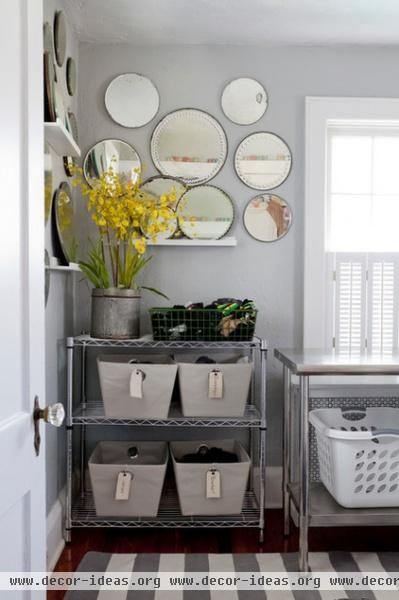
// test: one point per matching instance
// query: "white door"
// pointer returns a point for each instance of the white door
(22, 481)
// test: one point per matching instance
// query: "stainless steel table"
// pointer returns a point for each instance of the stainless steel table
(313, 505)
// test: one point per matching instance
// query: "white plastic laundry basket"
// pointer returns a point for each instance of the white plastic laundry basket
(147, 398)
(358, 451)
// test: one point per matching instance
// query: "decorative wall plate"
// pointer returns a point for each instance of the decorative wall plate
(71, 76)
(189, 144)
(132, 100)
(263, 161)
(205, 212)
(267, 217)
(244, 101)
(60, 37)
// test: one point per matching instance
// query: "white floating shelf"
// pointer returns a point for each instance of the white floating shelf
(60, 139)
(55, 266)
(226, 241)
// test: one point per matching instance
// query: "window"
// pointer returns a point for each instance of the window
(352, 224)
(362, 235)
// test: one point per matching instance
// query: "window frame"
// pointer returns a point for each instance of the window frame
(320, 113)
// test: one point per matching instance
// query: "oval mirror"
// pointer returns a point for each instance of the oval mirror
(71, 76)
(60, 37)
(205, 212)
(64, 207)
(267, 217)
(48, 181)
(117, 154)
(189, 144)
(132, 100)
(244, 101)
(263, 161)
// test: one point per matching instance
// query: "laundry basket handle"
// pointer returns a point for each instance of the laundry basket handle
(385, 432)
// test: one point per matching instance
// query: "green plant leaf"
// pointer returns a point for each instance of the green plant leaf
(150, 289)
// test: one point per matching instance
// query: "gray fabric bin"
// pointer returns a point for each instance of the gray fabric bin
(191, 479)
(194, 387)
(115, 372)
(148, 473)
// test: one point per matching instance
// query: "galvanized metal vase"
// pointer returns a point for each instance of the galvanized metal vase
(115, 314)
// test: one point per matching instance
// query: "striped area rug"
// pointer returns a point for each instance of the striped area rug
(328, 562)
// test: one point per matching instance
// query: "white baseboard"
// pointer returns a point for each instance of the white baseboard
(55, 528)
(274, 479)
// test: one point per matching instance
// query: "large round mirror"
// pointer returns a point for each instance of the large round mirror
(64, 207)
(263, 161)
(132, 100)
(267, 217)
(205, 212)
(189, 144)
(244, 101)
(115, 154)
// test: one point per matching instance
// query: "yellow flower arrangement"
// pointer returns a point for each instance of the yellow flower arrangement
(119, 207)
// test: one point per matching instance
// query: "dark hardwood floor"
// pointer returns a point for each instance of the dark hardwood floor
(371, 539)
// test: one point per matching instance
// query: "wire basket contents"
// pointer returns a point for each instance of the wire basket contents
(203, 324)
(358, 452)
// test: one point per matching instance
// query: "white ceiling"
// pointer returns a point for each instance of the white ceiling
(253, 22)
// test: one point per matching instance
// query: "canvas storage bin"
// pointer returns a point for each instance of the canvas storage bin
(146, 462)
(197, 391)
(136, 387)
(358, 452)
(191, 479)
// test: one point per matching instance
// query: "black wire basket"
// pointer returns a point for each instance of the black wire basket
(203, 324)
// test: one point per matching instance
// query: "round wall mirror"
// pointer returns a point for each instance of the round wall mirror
(64, 207)
(171, 226)
(244, 101)
(72, 126)
(205, 212)
(49, 88)
(117, 154)
(48, 181)
(267, 217)
(189, 144)
(71, 76)
(60, 37)
(158, 186)
(132, 100)
(263, 161)
(48, 41)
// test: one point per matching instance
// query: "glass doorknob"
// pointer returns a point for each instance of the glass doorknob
(53, 414)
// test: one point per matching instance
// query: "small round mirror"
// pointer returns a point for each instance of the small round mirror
(65, 209)
(170, 224)
(205, 212)
(263, 161)
(267, 217)
(244, 101)
(71, 76)
(117, 154)
(157, 187)
(132, 100)
(60, 37)
(189, 144)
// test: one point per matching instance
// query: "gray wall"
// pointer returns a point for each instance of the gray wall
(60, 305)
(194, 76)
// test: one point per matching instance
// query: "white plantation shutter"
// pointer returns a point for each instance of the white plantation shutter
(366, 302)
(350, 302)
(382, 322)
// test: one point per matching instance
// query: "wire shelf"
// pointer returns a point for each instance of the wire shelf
(148, 342)
(169, 515)
(93, 414)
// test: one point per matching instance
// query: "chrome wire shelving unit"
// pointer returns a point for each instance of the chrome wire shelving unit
(83, 412)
